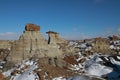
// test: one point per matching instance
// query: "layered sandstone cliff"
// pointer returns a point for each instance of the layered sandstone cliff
(5, 44)
(54, 38)
(32, 44)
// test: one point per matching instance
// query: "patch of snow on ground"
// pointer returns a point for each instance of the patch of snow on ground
(28, 74)
(113, 61)
(8, 73)
(78, 78)
(76, 67)
(118, 57)
(98, 70)
(93, 67)
(59, 78)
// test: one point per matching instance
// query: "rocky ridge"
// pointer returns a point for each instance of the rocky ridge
(58, 59)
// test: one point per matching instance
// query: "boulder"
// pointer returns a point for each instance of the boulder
(32, 27)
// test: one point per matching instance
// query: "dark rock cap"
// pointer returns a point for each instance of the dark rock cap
(32, 27)
(51, 32)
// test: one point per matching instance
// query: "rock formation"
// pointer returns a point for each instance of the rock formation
(54, 38)
(56, 41)
(101, 45)
(5, 44)
(32, 44)
(3, 54)
(113, 38)
(32, 27)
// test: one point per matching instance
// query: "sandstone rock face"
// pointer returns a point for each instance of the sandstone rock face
(5, 44)
(32, 27)
(32, 44)
(56, 41)
(54, 38)
(101, 45)
(3, 54)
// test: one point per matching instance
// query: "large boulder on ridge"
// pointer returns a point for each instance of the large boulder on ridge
(32, 27)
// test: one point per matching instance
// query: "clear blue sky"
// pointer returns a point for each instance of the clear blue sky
(73, 19)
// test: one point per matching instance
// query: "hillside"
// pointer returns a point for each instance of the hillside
(31, 57)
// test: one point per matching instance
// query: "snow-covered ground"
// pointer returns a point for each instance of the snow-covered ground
(91, 67)
(26, 74)
(78, 78)
(94, 66)
(99, 67)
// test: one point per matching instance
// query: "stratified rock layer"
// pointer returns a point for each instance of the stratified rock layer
(54, 38)
(32, 44)
(5, 44)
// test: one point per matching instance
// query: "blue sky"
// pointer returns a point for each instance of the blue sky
(72, 19)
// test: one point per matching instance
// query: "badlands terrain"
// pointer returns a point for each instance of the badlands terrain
(32, 57)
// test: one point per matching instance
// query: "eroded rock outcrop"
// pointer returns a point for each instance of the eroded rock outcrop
(3, 54)
(54, 38)
(5, 44)
(101, 45)
(32, 44)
